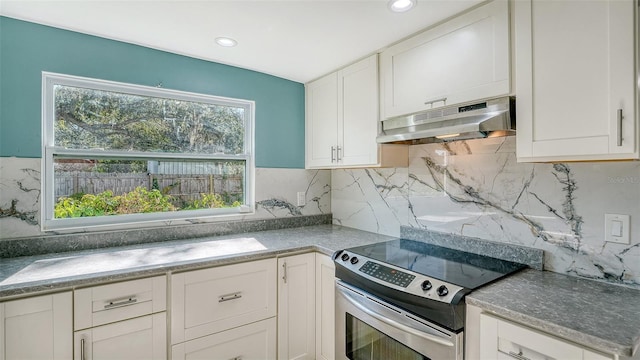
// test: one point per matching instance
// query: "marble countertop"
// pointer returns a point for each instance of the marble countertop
(598, 315)
(27, 275)
(595, 314)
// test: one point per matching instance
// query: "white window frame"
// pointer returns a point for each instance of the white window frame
(49, 151)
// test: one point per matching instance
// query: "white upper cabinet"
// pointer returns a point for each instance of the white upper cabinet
(321, 121)
(575, 80)
(464, 59)
(342, 120)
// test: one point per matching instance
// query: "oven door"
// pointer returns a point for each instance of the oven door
(370, 329)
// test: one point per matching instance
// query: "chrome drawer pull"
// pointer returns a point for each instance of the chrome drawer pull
(121, 302)
(82, 349)
(430, 102)
(517, 355)
(228, 297)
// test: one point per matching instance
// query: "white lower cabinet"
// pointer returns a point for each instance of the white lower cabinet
(208, 301)
(125, 320)
(225, 312)
(296, 307)
(503, 339)
(253, 341)
(136, 339)
(325, 307)
(306, 319)
(39, 327)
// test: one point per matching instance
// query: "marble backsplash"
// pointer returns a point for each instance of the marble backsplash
(477, 188)
(276, 197)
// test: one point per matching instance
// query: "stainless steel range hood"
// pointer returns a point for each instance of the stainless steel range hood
(487, 118)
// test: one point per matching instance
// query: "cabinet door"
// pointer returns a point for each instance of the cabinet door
(321, 128)
(207, 301)
(135, 339)
(296, 307)
(574, 77)
(358, 106)
(255, 341)
(464, 59)
(37, 328)
(325, 309)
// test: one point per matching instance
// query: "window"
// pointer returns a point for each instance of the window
(116, 153)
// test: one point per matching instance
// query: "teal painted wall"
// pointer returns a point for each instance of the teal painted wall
(27, 49)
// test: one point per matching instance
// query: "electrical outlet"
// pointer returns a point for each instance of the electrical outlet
(302, 200)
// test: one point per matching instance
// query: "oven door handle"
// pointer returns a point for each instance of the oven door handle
(430, 337)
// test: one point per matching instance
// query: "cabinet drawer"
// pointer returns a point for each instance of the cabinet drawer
(253, 341)
(139, 338)
(208, 301)
(99, 305)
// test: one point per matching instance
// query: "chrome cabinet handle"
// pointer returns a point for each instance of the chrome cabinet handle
(229, 297)
(284, 271)
(121, 302)
(82, 349)
(430, 102)
(338, 153)
(236, 358)
(333, 154)
(619, 135)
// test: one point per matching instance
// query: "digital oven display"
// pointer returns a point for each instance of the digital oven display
(387, 274)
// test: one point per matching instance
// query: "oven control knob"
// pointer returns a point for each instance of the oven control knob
(354, 260)
(442, 290)
(344, 257)
(426, 285)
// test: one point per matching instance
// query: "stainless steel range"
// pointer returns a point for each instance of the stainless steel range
(404, 299)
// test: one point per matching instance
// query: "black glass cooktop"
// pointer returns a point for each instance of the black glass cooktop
(453, 266)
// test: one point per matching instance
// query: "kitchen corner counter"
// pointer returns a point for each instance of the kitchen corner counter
(594, 314)
(23, 276)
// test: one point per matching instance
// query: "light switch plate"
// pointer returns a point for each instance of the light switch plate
(616, 224)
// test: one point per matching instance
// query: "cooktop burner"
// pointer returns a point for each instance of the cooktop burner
(453, 266)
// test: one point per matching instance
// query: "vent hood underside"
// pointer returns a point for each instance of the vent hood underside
(487, 118)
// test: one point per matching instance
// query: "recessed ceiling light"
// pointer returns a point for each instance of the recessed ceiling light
(226, 42)
(401, 5)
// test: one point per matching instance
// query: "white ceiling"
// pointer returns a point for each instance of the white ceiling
(296, 39)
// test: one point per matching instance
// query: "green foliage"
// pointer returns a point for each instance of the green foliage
(80, 205)
(90, 119)
(210, 201)
(137, 201)
(142, 200)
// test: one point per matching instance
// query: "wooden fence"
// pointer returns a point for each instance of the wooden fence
(185, 187)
